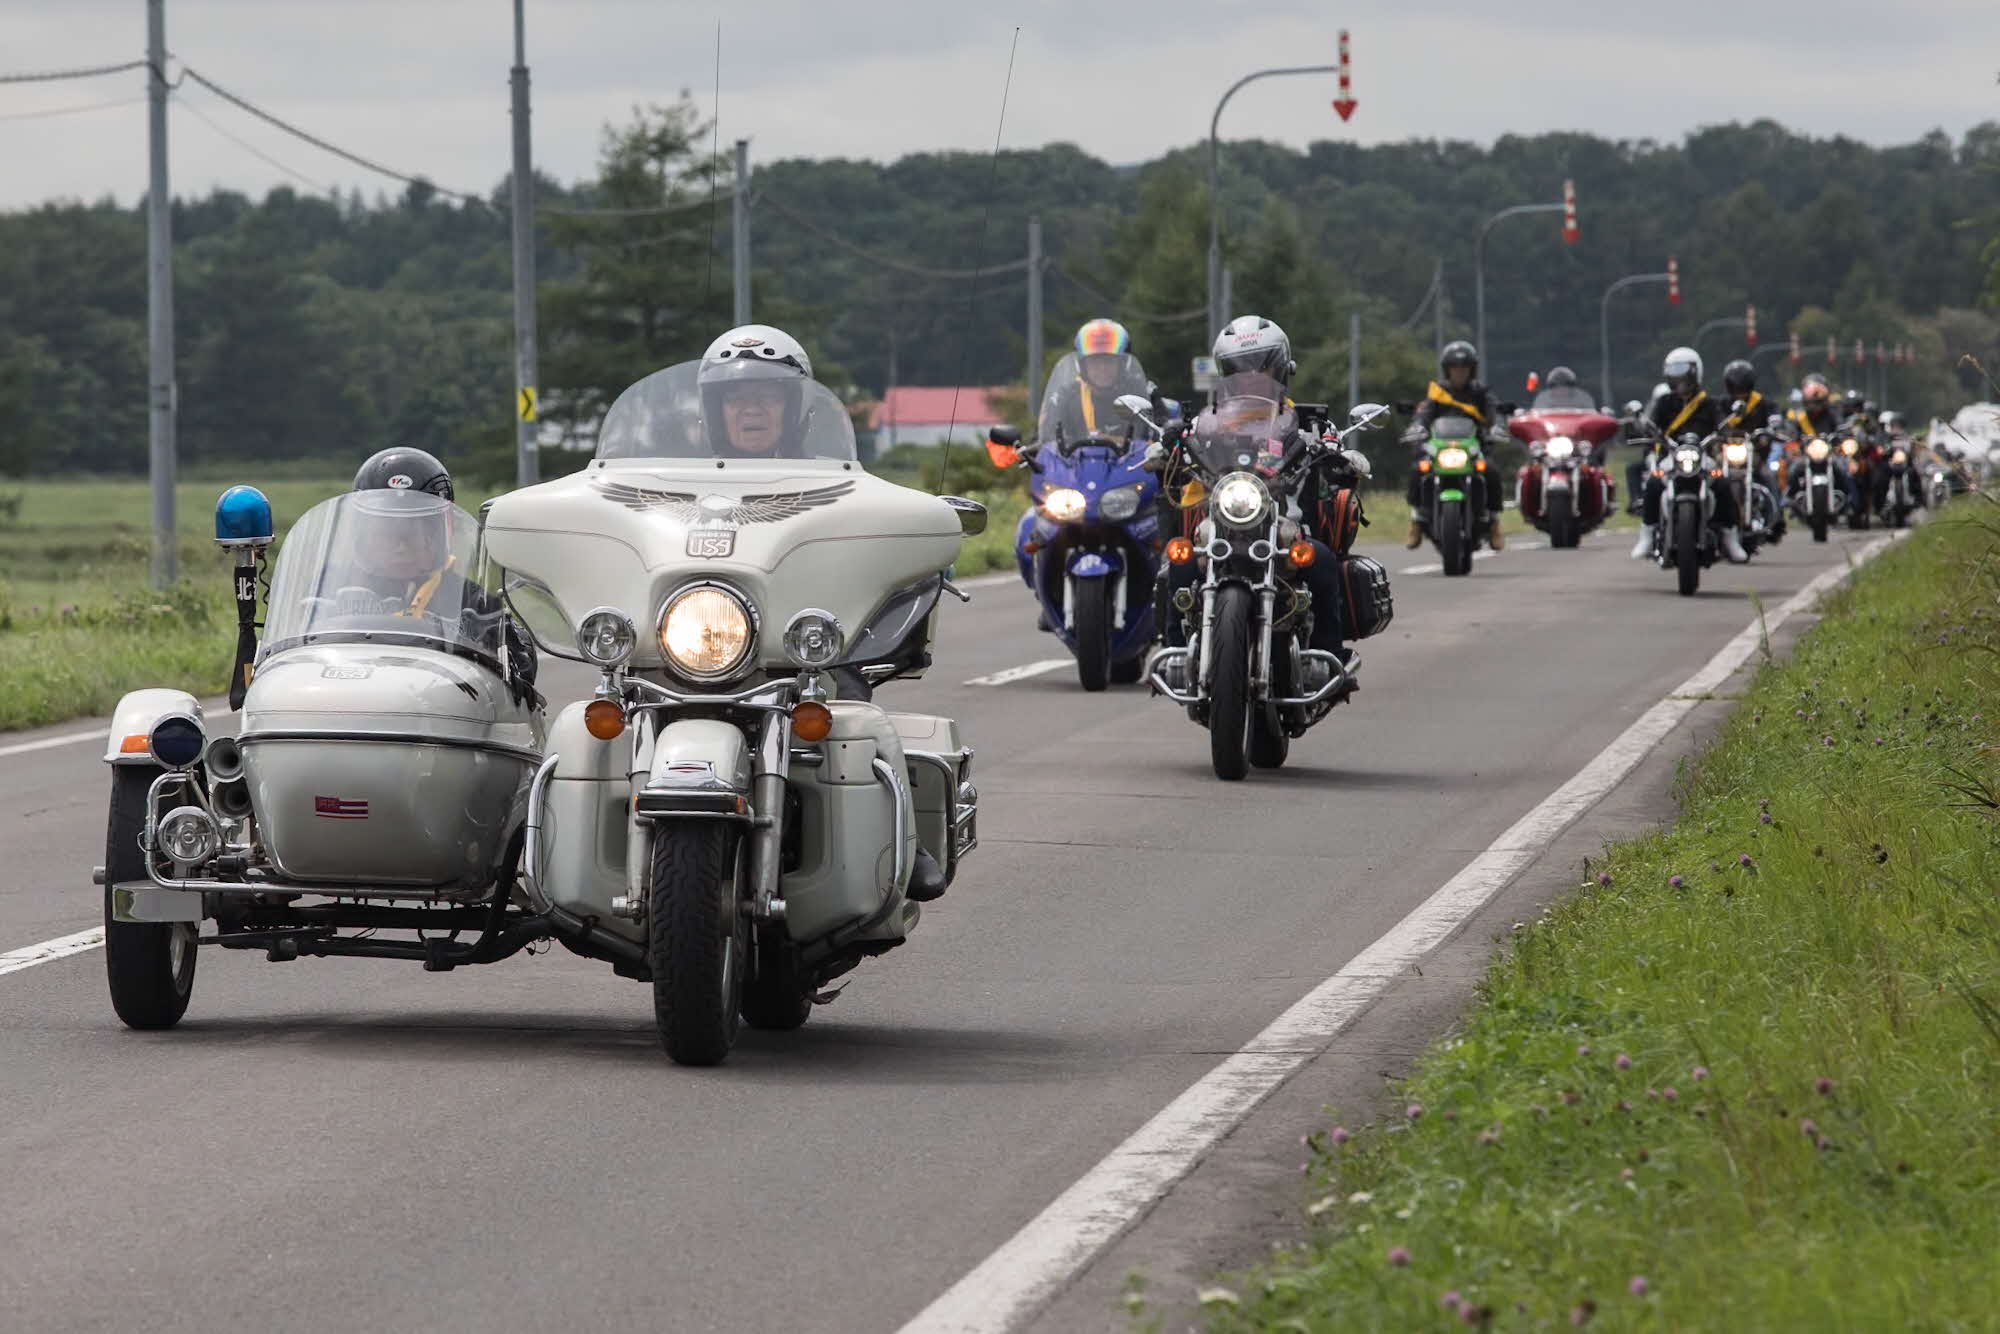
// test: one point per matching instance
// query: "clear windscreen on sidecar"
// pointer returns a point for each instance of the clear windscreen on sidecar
(394, 567)
(1249, 425)
(742, 409)
(1082, 397)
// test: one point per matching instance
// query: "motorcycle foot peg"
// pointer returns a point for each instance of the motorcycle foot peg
(437, 955)
(631, 908)
(283, 950)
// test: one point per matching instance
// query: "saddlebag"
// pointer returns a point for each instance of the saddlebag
(1365, 601)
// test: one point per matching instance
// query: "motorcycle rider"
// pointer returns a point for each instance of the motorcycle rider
(752, 381)
(1684, 409)
(1257, 355)
(1455, 393)
(1751, 419)
(1088, 404)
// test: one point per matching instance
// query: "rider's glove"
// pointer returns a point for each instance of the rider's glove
(1358, 463)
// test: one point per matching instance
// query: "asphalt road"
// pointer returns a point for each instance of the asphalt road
(346, 1144)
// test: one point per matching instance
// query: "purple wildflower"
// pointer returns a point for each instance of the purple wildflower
(1699, 1073)
(1338, 1135)
(1743, 859)
(1622, 1061)
(1398, 1256)
(1669, 1093)
(1450, 1298)
(1823, 1086)
(1583, 1049)
(1675, 881)
(1637, 1287)
(1807, 1127)
(1765, 818)
(1414, 1110)
(1604, 878)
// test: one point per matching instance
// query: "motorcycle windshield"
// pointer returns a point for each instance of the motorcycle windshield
(1082, 397)
(392, 567)
(740, 409)
(1563, 398)
(1247, 427)
(1454, 428)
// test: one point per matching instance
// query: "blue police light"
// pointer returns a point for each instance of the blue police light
(176, 741)
(242, 518)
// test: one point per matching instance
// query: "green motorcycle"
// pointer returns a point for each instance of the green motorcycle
(1453, 492)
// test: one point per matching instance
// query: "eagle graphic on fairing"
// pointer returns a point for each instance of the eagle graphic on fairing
(712, 510)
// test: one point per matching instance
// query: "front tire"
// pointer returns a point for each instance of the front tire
(149, 965)
(696, 942)
(1562, 522)
(1270, 746)
(1687, 547)
(1820, 516)
(1091, 620)
(1229, 690)
(1453, 543)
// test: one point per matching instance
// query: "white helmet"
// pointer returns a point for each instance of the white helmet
(1682, 370)
(1253, 343)
(756, 342)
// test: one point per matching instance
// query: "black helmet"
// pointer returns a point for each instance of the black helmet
(1739, 377)
(404, 469)
(1562, 377)
(1855, 401)
(1458, 352)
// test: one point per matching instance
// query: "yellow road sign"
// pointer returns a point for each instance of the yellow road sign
(526, 403)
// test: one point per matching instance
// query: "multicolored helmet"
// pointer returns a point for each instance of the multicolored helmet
(1101, 337)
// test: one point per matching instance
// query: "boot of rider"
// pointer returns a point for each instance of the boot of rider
(1732, 547)
(1494, 537)
(1643, 548)
(1415, 537)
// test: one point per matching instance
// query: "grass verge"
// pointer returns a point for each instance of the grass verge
(1747, 1076)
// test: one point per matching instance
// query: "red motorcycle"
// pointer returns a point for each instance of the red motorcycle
(1563, 489)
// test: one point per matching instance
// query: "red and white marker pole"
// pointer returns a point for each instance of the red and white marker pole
(1795, 347)
(1673, 280)
(1750, 325)
(1832, 353)
(1345, 103)
(1570, 232)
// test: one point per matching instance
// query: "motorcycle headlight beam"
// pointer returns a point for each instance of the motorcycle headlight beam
(707, 631)
(1817, 450)
(1736, 452)
(1064, 504)
(1241, 499)
(1452, 456)
(1120, 503)
(1561, 447)
(1687, 460)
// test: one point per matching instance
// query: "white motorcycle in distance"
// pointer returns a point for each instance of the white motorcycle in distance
(730, 819)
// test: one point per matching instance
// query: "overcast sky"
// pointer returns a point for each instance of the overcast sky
(421, 85)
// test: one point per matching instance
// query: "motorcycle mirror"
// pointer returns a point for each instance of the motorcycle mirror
(1633, 407)
(971, 514)
(1003, 446)
(1361, 414)
(1133, 405)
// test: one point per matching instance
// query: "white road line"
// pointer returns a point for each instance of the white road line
(13, 961)
(988, 580)
(1435, 566)
(1020, 673)
(1032, 1266)
(49, 743)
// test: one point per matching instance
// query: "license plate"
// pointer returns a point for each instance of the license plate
(711, 545)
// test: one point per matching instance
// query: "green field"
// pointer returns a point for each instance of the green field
(80, 623)
(1747, 1076)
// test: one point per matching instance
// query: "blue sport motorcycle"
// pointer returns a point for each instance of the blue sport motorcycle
(1089, 547)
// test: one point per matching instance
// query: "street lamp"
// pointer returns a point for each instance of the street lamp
(1479, 261)
(1214, 187)
(1725, 322)
(1604, 323)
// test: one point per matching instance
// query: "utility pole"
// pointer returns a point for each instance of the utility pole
(1035, 352)
(1438, 308)
(1228, 300)
(527, 458)
(1565, 206)
(161, 393)
(739, 213)
(1353, 359)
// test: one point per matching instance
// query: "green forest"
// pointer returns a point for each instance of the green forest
(314, 326)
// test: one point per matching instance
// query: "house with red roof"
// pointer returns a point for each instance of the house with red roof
(912, 414)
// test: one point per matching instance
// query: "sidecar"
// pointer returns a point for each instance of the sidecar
(378, 778)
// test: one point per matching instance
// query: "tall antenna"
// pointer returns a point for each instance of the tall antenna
(978, 255)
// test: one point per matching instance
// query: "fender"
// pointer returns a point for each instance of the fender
(1095, 564)
(701, 766)
(136, 715)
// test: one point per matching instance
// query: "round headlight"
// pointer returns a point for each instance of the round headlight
(1119, 503)
(607, 636)
(1452, 456)
(1816, 450)
(188, 836)
(1241, 499)
(1064, 505)
(1561, 447)
(814, 638)
(1687, 460)
(1849, 445)
(1899, 457)
(706, 632)
(176, 741)
(1736, 452)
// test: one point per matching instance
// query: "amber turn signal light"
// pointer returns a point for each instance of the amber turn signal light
(1423, 465)
(811, 721)
(1301, 554)
(133, 745)
(1179, 550)
(604, 718)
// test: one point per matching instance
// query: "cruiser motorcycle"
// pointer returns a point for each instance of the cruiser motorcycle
(1685, 539)
(1563, 489)
(729, 818)
(1245, 671)
(1818, 487)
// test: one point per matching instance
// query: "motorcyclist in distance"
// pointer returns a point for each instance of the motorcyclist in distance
(1456, 392)
(1753, 420)
(1685, 409)
(1088, 404)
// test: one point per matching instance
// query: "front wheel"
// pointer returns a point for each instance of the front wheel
(696, 944)
(1453, 543)
(150, 965)
(1820, 515)
(1090, 618)
(1270, 746)
(1562, 522)
(1687, 547)
(1229, 689)
(778, 994)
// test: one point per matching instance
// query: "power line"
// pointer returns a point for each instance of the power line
(75, 110)
(51, 76)
(1135, 316)
(883, 261)
(252, 149)
(190, 72)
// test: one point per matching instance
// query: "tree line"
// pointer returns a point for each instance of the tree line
(313, 326)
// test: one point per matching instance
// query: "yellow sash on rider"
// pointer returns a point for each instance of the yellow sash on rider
(1687, 411)
(1749, 407)
(1089, 408)
(422, 597)
(1437, 393)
